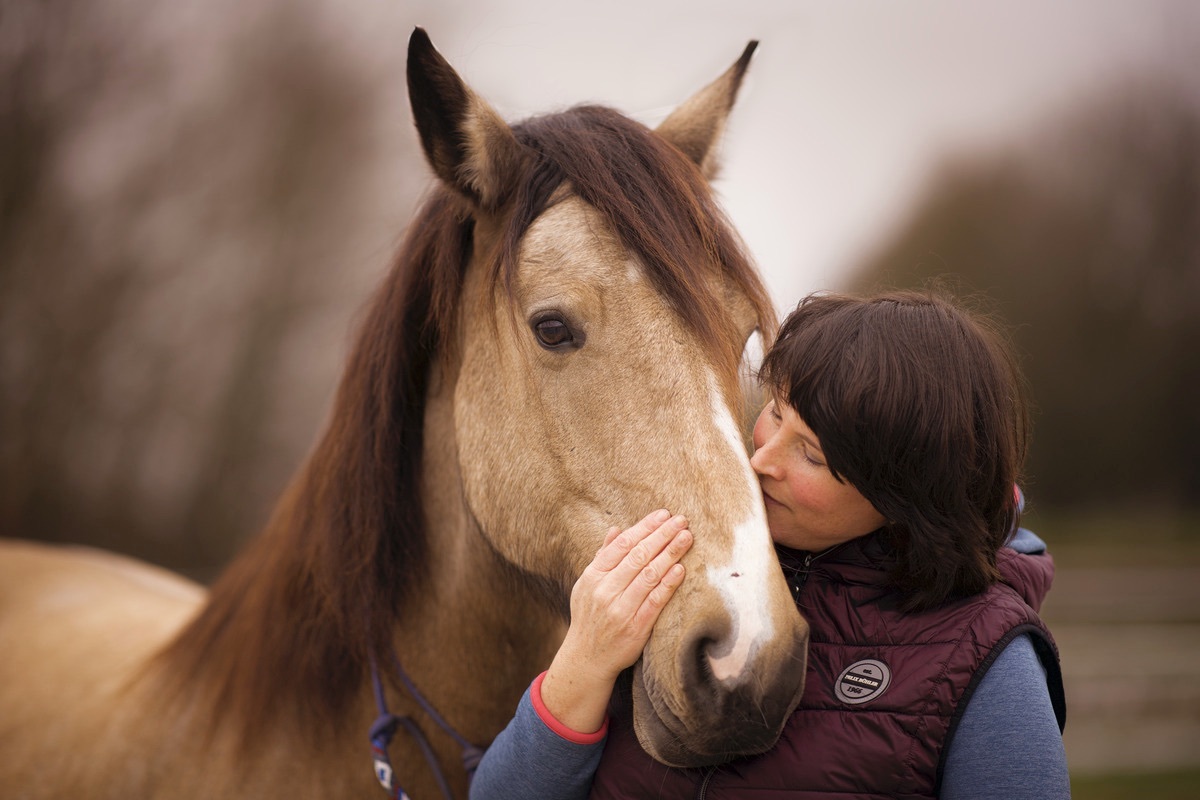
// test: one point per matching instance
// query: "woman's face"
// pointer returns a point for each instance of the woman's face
(807, 508)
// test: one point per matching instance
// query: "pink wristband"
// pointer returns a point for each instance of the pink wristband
(573, 736)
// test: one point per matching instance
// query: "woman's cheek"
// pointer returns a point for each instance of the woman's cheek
(808, 492)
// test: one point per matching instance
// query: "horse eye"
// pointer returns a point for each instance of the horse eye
(552, 333)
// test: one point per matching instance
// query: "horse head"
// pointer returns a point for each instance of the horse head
(590, 372)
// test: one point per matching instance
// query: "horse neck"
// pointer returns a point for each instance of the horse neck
(470, 634)
(477, 631)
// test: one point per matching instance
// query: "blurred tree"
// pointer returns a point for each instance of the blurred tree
(182, 195)
(1088, 241)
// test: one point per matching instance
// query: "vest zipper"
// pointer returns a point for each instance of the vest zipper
(708, 776)
(801, 575)
(808, 559)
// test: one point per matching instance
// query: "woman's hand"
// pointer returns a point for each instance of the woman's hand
(614, 606)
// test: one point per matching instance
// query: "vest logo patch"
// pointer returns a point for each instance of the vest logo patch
(862, 681)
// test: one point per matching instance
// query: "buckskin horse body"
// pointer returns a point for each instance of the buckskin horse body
(554, 352)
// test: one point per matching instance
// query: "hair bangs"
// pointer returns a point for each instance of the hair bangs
(819, 368)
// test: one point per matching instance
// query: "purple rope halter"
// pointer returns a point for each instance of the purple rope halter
(384, 728)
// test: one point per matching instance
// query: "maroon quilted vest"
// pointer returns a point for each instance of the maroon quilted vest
(883, 693)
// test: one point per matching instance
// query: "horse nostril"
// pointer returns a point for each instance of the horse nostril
(721, 665)
(717, 660)
(714, 655)
(701, 671)
(696, 657)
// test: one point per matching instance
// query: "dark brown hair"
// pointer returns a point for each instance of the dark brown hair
(920, 405)
(301, 610)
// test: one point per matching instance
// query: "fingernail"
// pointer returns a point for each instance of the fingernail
(660, 515)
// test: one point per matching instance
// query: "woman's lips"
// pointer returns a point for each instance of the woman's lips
(770, 501)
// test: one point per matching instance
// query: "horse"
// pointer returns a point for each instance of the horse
(554, 352)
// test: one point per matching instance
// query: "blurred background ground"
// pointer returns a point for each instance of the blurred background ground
(1125, 611)
(196, 198)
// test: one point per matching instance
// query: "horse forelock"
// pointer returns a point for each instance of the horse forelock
(656, 202)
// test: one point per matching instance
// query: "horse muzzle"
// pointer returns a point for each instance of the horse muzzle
(692, 713)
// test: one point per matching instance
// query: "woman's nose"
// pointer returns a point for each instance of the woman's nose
(763, 462)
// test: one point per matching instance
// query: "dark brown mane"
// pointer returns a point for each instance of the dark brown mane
(292, 622)
(297, 614)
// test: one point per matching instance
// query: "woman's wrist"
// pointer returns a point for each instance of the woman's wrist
(576, 689)
(558, 726)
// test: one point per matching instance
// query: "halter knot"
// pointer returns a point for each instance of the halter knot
(384, 728)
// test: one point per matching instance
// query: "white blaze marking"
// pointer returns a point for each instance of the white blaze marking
(743, 581)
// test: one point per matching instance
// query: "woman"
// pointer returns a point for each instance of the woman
(888, 455)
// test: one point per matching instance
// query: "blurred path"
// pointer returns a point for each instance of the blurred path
(1130, 644)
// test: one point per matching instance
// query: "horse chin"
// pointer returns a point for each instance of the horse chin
(699, 738)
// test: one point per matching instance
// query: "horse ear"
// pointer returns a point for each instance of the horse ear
(466, 142)
(695, 127)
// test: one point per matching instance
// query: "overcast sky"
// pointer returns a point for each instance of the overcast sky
(849, 103)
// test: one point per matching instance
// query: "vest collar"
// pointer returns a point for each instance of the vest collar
(868, 560)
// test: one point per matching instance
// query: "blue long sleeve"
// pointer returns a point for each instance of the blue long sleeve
(528, 759)
(1008, 744)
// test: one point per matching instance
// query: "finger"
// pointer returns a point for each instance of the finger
(594, 573)
(643, 553)
(650, 609)
(657, 570)
(613, 533)
(615, 550)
